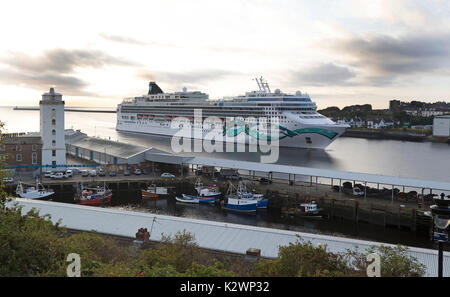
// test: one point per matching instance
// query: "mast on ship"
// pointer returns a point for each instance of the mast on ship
(263, 85)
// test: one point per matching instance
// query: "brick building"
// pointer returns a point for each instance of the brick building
(21, 148)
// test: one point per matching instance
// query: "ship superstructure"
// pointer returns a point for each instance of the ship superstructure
(235, 119)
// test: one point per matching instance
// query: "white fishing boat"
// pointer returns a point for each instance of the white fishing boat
(310, 210)
(37, 191)
(188, 199)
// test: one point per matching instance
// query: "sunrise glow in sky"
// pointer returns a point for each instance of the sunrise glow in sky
(339, 51)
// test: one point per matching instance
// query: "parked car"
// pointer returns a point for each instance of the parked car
(137, 171)
(166, 174)
(48, 173)
(69, 173)
(8, 180)
(58, 175)
(112, 173)
(101, 172)
(265, 181)
(75, 170)
(126, 172)
(230, 174)
(93, 173)
(84, 173)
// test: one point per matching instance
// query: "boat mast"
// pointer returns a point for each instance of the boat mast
(259, 86)
(265, 85)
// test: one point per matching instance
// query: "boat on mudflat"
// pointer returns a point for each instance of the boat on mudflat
(33, 192)
(93, 196)
(152, 193)
(309, 210)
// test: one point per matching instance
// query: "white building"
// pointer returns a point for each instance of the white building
(52, 129)
(441, 126)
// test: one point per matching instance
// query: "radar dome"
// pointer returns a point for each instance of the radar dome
(298, 93)
(277, 91)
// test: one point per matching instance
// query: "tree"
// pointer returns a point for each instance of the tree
(302, 259)
(3, 196)
(29, 244)
(394, 261)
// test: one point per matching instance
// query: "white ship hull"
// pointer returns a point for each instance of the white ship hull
(314, 139)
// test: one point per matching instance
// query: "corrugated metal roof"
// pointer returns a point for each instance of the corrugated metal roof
(112, 148)
(336, 174)
(220, 236)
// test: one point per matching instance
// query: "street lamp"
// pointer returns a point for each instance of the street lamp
(441, 218)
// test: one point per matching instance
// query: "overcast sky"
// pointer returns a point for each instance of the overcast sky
(339, 51)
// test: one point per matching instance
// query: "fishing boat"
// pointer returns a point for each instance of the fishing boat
(309, 209)
(209, 194)
(93, 196)
(188, 199)
(33, 192)
(235, 202)
(152, 193)
(240, 205)
(244, 194)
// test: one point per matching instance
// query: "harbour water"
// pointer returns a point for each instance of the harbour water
(424, 160)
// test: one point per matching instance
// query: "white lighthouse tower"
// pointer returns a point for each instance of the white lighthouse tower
(52, 130)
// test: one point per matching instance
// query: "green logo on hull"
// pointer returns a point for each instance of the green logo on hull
(240, 126)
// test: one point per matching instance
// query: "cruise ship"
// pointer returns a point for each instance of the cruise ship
(237, 119)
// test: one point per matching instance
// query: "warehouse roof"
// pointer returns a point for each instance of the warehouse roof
(327, 173)
(219, 236)
(112, 148)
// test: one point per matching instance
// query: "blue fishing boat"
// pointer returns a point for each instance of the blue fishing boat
(239, 204)
(235, 201)
(244, 194)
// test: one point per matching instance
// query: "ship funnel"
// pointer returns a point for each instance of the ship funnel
(153, 88)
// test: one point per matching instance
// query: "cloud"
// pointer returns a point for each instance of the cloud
(188, 78)
(56, 68)
(122, 39)
(133, 41)
(382, 55)
(69, 85)
(324, 74)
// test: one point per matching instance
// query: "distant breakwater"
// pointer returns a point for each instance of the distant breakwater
(68, 109)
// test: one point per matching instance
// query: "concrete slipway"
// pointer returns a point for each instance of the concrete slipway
(210, 235)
